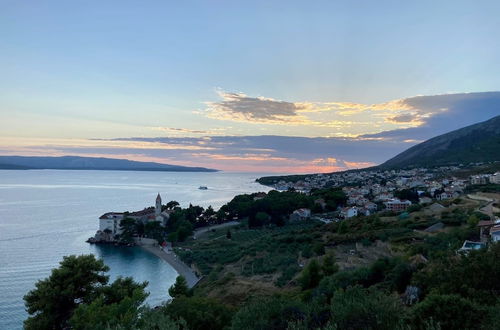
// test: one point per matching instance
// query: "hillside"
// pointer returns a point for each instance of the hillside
(90, 163)
(472, 144)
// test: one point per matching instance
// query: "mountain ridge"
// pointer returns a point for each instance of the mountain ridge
(475, 143)
(90, 163)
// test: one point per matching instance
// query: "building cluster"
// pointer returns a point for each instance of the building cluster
(485, 178)
(370, 191)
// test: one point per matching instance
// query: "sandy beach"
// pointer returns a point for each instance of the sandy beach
(176, 263)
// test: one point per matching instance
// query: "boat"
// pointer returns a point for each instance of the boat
(203, 187)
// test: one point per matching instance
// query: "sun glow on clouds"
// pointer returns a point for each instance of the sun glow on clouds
(305, 136)
(345, 116)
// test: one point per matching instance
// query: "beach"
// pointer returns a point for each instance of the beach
(172, 259)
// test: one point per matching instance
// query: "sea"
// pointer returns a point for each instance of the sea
(48, 214)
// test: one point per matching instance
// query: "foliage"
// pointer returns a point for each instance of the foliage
(118, 305)
(474, 276)
(76, 281)
(128, 229)
(180, 287)
(329, 266)
(268, 313)
(409, 194)
(199, 313)
(449, 311)
(357, 308)
(311, 275)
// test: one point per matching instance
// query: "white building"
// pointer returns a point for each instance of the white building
(109, 223)
(349, 212)
(397, 205)
(495, 178)
(495, 233)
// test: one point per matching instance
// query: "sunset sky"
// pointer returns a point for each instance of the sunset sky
(262, 86)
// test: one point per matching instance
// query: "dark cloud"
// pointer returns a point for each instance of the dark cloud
(240, 106)
(405, 118)
(444, 113)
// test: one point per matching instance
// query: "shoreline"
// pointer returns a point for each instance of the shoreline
(171, 258)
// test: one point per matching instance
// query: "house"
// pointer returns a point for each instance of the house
(446, 195)
(372, 207)
(383, 197)
(495, 178)
(484, 229)
(479, 179)
(349, 212)
(495, 233)
(470, 245)
(300, 215)
(397, 205)
(110, 222)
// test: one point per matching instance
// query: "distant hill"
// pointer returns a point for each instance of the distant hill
(89, 163)
(471, 144)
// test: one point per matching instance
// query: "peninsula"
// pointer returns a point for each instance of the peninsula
(89, 163)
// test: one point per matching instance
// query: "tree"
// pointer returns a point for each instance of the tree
(269, 313)
(117, 306)
(357, 308)
(154, 229)
(329, 266)
(172, 204)
(449, 311)
(153, 319)
(209, 212)
(128, 229)
(76, 281)
(260, 219)
(180, 287)
(199, 313)
(310, 276)
(319, 248)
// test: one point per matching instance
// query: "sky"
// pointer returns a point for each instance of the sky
(261, 86)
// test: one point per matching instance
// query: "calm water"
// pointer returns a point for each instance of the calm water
(47, 214)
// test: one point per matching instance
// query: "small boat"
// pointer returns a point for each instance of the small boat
(203, 187)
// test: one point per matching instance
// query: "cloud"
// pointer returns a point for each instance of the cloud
(404, 118)
(187, 131)
(439, 114)
(238, 106)
(409, 120)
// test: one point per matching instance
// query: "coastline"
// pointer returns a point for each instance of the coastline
(171, 258)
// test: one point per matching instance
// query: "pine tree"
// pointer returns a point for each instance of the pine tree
(180, 287)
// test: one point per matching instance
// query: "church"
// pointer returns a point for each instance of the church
(109, 223)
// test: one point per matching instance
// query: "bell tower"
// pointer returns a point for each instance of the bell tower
(158, 206)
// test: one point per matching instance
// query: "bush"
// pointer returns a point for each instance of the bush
(357, 308)
(449, 311)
